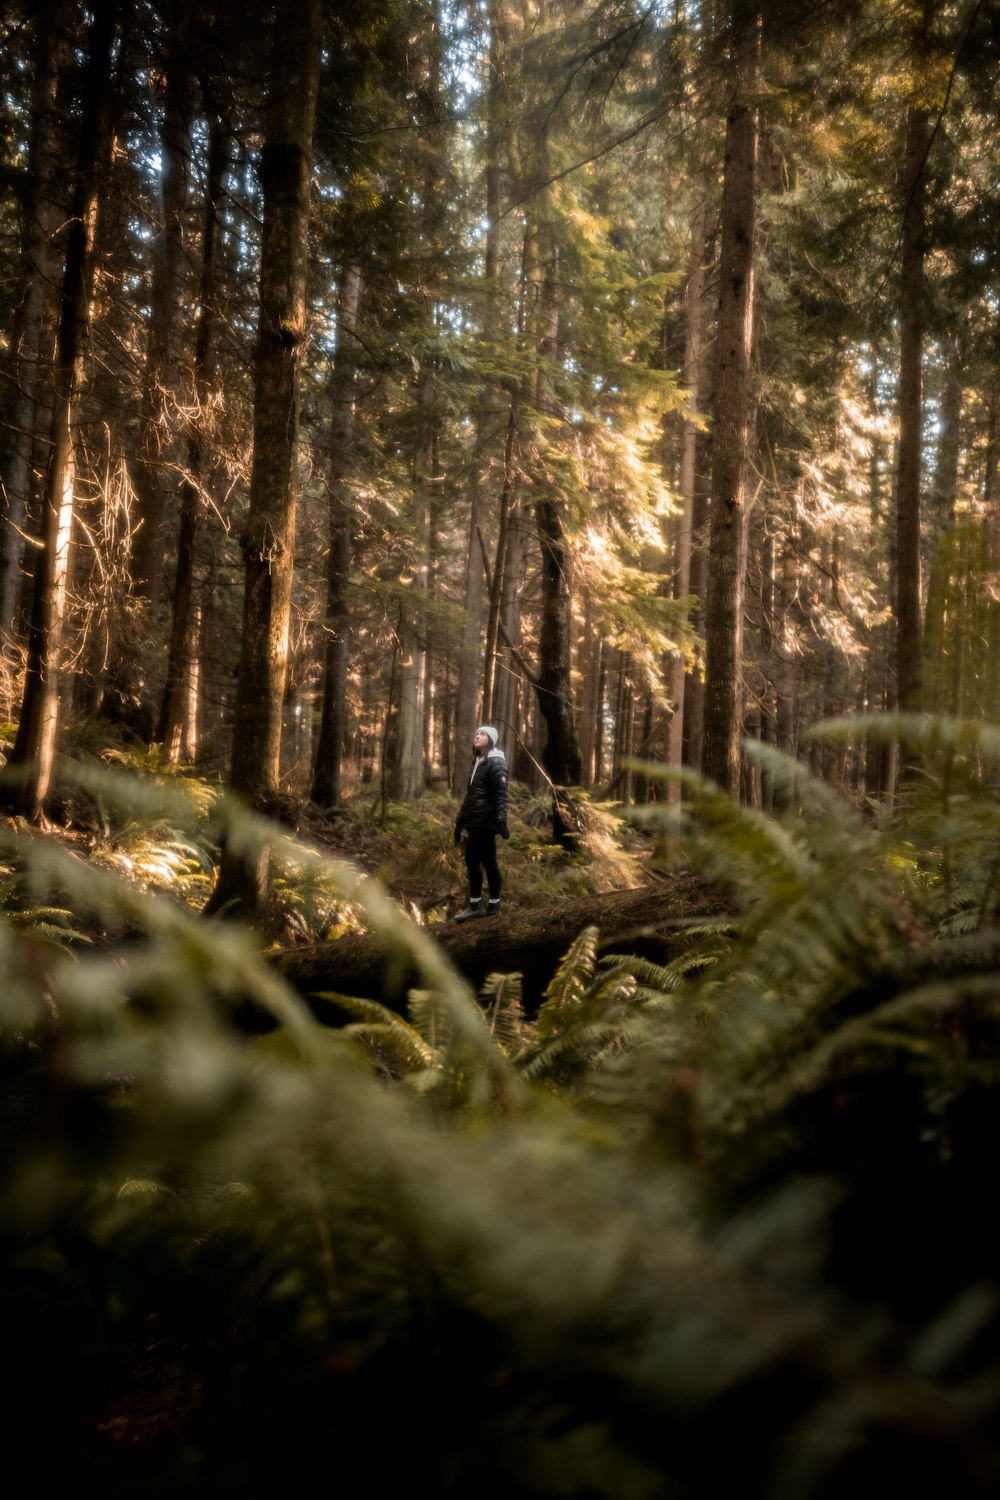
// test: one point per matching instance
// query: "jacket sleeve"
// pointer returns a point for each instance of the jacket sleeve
(498, 787)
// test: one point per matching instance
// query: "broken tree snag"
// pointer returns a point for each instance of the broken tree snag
(645, 922)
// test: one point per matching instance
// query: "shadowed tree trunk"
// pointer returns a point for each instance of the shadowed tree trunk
(469, 664)
(909, 644)
(156, 418)
(732, 422)
(329, 748)
(269, 538)
(561, 755)
(34, 747)
(939, 662)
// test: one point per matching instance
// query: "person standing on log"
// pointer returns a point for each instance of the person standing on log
(482, 816)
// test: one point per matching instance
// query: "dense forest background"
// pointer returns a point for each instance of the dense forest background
(627, 378)
(639, 385)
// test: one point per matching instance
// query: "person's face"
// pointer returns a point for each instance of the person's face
(480, 740)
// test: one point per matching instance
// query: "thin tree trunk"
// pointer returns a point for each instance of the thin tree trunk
(938, 665)
(160, 375)
(694, 347)
(468, 694)
(329, 749)
(183, 619)
(407, 778)
(732, 425)
(909, 645)
(269, 538)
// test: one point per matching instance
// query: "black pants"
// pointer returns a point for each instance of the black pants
(480, 855)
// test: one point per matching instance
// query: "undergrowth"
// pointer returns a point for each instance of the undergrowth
(734, 1205)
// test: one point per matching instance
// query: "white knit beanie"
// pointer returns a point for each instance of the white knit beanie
(491, 734)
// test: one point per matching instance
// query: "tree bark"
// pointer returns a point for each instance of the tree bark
(183, 613)
(156, 419)
(939, 661)
(269, 538)
(34, 747)
(31, 349)
(647, 922)
(909, 644)
(732, 421)
(470, 657)
(329, 748)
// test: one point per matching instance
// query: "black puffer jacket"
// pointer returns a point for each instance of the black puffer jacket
(485, 804)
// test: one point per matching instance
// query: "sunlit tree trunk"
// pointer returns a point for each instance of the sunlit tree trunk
(181, 651)
(329, 748)
(269, 538)
(34, 320)
(34, 747)
(694, 383)
(732, 419)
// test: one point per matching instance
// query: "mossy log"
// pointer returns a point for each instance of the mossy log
(649, 921)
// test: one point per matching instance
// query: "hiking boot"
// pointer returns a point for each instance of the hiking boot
(492, 909)
(474, 909)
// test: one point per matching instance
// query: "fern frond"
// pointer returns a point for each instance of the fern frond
(568, 984)
(500, 995)
(384, 1035)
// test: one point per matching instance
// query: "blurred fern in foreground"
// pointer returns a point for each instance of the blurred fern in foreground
(734, 1205)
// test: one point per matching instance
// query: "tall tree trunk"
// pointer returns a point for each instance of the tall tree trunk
(561, 755)
(184, 617)
(408, 771)
(160, 374)
(909, 646)
(939, 663)
(508, 674)
(31, 351)
(694, 366)
(325, 790)
(732, 425)
(34, 747)
(472, 626)
(499, 582)
(269, 538)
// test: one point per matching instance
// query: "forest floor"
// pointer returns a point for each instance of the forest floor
(408, 847)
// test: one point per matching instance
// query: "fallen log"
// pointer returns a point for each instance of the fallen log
(649, 921)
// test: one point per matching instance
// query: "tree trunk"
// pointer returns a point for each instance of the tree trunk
(183, 614)
(732, 423)
(647, 922)
(909, 646)
(469, 665)
(561, 755)
(329, 749)
(269, 538)
(408, 779)
(31, 351)
(34, 747)
(939, 665)
(156, 418)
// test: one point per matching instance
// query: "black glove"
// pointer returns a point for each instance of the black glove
(458, 830)
(503, 830)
